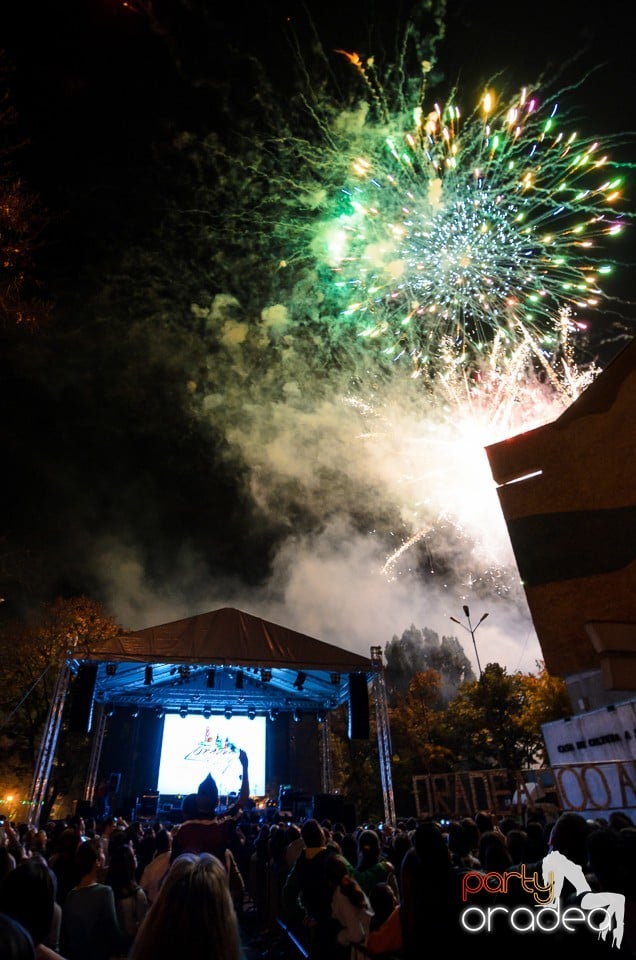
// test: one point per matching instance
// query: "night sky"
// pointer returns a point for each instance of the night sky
(131, 455)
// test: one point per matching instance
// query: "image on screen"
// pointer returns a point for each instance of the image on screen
(192, 747)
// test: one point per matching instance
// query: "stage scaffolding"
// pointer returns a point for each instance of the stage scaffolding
(53, 725)
(48, 744)
(383, 735)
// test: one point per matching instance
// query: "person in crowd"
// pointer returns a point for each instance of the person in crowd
(145, 850)
(430, 892)
(494, 855)
(28, 895)
(618, 820)
(13, 840)
(203, 831)
(7, 862)
(536, 841)
(63, 849)
(516, 842)
(156, 870)
(35, 842)
(193, 915)
(107, 829)
(472, 831)
(90, 928)
(15, 941)
(350, 907)
(400, 845)
(131, 902)
(259, 869)
(460, 841)
(371, 866)
(294, 845)
(349, 847)
(484, 821)
(385, 930)
(306, 897)
(280, 837)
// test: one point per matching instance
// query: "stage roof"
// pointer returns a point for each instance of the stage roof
(224, 658)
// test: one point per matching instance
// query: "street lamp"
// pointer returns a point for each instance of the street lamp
(471, 630)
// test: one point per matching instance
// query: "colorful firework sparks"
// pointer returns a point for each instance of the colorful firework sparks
(430, 444)
(449, 233)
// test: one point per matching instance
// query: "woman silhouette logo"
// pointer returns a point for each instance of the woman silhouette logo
(557, 868)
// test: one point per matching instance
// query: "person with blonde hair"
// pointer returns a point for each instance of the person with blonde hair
(193, 915)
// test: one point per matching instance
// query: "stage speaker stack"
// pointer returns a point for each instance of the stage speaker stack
(295, 803)
(148, 806)
(82, 691)
(358, 707)
(328, 806)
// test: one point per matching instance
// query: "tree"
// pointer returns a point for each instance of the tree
(417, 651)
(21, 221)
(495, 722)
(32, 655)
(355, 767)
(416, 722)
(547, 699)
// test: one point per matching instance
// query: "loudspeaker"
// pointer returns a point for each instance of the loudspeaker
(328, 806)
(148, 805)
(358, 707)
(81, 708)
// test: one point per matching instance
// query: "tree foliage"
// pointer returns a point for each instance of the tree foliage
(417, 651)
(496, 720)
(32, 656)
(21, 221)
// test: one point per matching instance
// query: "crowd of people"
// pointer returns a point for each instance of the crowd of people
(243, 886)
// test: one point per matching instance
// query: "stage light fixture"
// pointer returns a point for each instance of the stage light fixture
(109, 710)
(207, 712)
(321, 716)
(251, 712)
(266, 674)
(238, 683)
(159, 712)
(111, 669)
(210, 678)
(297, 715)
(184, 672)
(228, 713)
(335, 679)
(183, 712)
(299, 682)
(148, 675)
(134, 713)
(274, 713)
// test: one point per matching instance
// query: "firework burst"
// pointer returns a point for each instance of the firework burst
(451, 235)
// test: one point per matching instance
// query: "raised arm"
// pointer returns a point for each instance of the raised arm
(244, 793)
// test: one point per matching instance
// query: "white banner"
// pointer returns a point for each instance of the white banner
(593, 759)
(605, 734)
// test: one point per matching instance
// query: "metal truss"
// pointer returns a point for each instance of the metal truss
(383, 735)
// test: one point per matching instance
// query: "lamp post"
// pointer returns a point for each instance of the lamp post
(471, 630)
